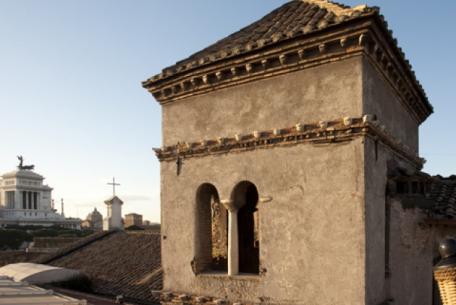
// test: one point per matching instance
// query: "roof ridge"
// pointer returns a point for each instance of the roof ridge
(46, 259)
(337, 9)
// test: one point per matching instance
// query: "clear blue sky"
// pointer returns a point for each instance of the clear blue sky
(71, 99)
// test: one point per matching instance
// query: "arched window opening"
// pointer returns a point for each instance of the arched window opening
(246, 197)
(211, 231)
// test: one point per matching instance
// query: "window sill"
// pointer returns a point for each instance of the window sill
(241, 276)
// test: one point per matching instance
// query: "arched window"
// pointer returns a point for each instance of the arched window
(245, 197)
(211, 231)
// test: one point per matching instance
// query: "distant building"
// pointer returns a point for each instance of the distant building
(113, 218)
(93, 221)
(26, 200)
(133, 219)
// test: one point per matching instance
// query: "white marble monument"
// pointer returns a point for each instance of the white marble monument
(26, 200)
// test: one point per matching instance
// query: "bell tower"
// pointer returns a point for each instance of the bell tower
(279, 137)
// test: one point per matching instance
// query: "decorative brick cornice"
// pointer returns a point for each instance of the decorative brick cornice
(336, 131)
(363, 37)
(326, 14)
(384, 53)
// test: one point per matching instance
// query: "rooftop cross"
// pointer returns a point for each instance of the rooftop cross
(114, 184)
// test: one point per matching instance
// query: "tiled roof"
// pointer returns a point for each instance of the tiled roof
(12, 257)
(295, 18)
(117, 263)
(295, 23)
(434, 194)
(443, 194)
(45, 259)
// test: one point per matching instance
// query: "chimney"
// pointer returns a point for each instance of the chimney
(62, 211)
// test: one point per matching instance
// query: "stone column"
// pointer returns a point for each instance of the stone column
(30, 200)
(24, 200)
(233, 243)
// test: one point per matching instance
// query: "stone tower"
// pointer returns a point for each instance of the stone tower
(277, 144)
(113, 218)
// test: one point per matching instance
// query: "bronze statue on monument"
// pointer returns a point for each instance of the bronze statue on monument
(21, 165)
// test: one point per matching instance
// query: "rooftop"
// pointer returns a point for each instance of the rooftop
(16, 292)
(296, 24)
(434, 194)
(22, 173)
(116, 263)
(293, 19)
(443, 193)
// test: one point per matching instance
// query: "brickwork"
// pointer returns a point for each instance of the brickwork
(168, 298)
(219, 235)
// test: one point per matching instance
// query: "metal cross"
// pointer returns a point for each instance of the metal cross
(114, 184)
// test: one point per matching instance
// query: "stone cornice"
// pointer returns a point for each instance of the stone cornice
(364, 36)
(383, 52)
(279, 59)
(336, 131)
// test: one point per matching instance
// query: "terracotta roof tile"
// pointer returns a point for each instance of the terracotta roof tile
(294, 18)
(12, 257)
(443, 193)
(437, 196)
(117, 263)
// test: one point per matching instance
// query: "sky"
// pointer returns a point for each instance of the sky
(72, 104)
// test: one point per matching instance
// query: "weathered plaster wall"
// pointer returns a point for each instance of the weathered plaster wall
(376, 159)
(326, 92)
(375, 185)
(411, 257)
(322, 237)
(312, 242)
(381, 100)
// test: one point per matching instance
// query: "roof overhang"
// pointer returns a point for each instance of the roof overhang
(366, 35)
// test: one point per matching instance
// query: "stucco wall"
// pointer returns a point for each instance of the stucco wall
(326, 92)
(376, 160)
(311, 233)
(322, 237)
(381, 100)
(411, 257)
(375, 186)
